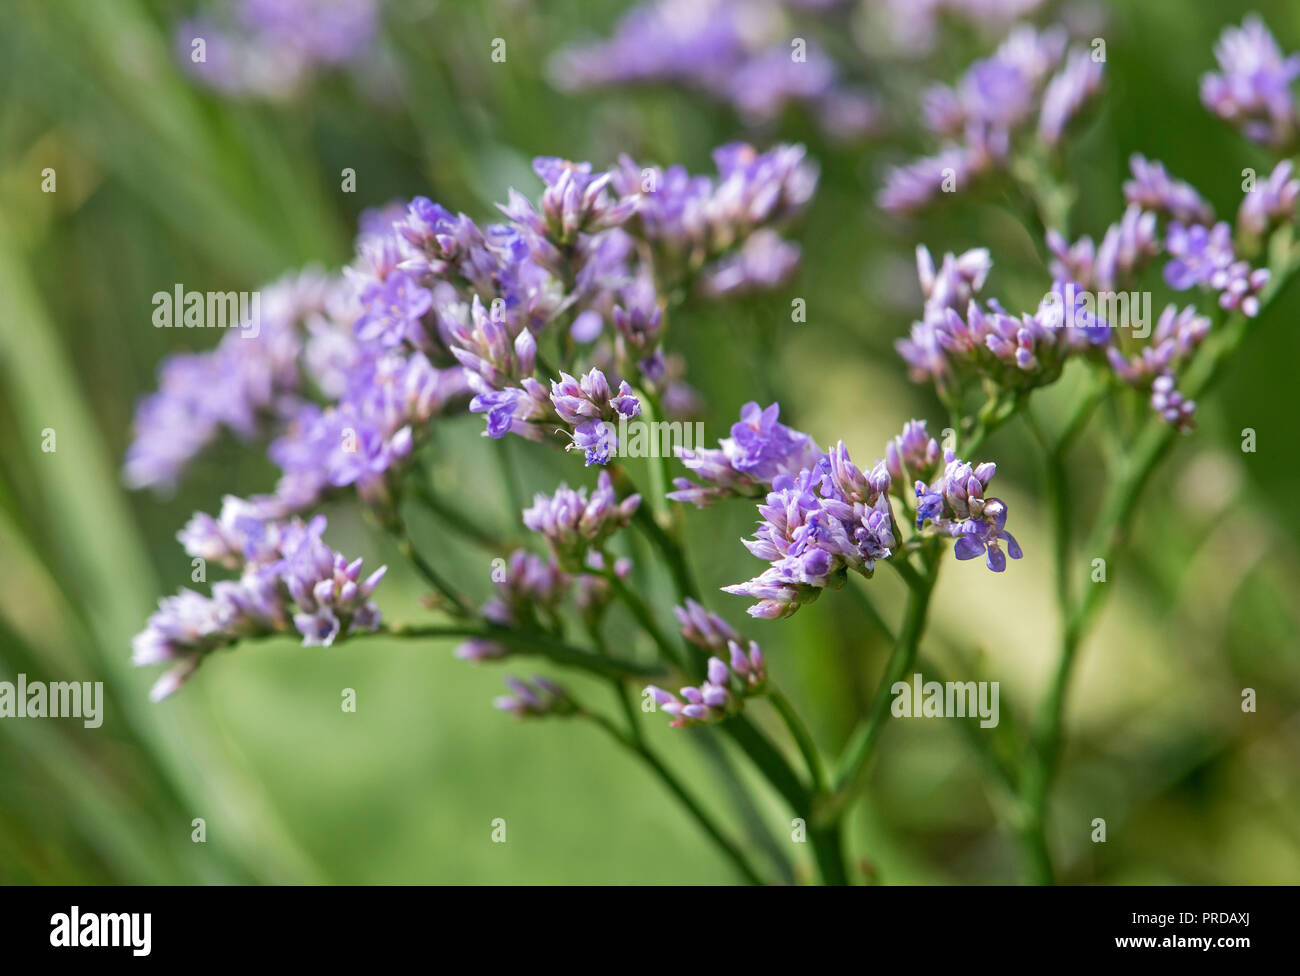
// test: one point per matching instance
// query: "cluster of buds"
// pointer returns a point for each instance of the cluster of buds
(575, 524)
(1176, 336)
(329, 592)
(1126, 249)
(482, 341)
(537, 699)
(574, 203)
(527, 586)
(1177, 410)
(1269, 203)
(911, 456)
(722, 694)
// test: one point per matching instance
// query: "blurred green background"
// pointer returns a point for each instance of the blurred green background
(162, 182)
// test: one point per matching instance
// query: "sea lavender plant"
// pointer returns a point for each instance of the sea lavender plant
(554, 324)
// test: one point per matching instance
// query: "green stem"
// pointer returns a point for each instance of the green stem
(457, 520)
(645, 618)
(619, 688)
(869, 608)
(977, 736)
(850, 771)
(799, 732)
(1152, 444)
(651, 759)
(531, 642)
(507, 467)
(459, 606)
(827, 842)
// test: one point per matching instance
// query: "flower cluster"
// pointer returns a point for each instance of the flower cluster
(1177, 335)
(911, 456)
(256, 375)
(342, 375)
(832, 518)
(759, 450)
(985, 114)
(588, 406)
(287, 574)
(690, 221)
(272, 48)
(530, 592)
(1252, 90)
(954, 505)
(738, 52)
(817, 526)
(957, 338)
(575, 524)
(914, 26)
(1126, 248)
(1270, 203)
(728, 683)
(540, 698)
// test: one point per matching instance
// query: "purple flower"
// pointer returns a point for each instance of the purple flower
(272, 48)
(529, 590)
(246, 383)
(759, 450)
(724, 691)
(1176, 336)
(1066, 94)
(987, 109)
(703, 627)
(493, 355)
(1270, 203)
(955, 506)
(290, 573)
(734, 51)
(1206, 257)
(691, 220)
(590, 398)
(912, 455)
(391, 311)
(1125, 250)
(1198, 254)
(1253, 92)
(596, 439)
(817, 526)
(575, 524)
(982, 537)
(501, 408)
(1152, 188)
(575, 202)
(911, 187)
(764, 261)
(541, 697)
(763, 445)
